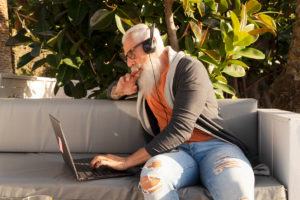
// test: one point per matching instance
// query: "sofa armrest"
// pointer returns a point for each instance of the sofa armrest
(279, 146)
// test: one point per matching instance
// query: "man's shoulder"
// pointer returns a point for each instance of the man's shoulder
(188, 63)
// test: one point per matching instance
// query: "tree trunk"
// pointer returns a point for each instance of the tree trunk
(171, 25)
(286, 89)
(5, 52)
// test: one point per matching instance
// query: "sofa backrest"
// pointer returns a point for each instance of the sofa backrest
(240, 116)
(97, 126)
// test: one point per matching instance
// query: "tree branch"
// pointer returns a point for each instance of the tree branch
(170, 24)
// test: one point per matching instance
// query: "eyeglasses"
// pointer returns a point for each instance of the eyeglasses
(130, 54)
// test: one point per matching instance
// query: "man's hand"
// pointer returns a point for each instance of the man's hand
(121, 163)
(127, 83)
(113, 161)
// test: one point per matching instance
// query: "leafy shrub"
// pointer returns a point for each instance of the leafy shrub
(85, 37)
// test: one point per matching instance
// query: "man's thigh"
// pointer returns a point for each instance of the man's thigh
(176, 169)
(226, 172)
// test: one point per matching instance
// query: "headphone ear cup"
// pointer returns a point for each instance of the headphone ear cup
(148, 46)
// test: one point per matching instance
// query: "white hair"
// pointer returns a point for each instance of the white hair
(141, 31)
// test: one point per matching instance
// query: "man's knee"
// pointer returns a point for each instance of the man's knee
(148, 183)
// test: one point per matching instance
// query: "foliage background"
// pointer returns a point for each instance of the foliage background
(92, 54)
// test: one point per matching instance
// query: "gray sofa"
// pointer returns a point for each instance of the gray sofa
(31, 164)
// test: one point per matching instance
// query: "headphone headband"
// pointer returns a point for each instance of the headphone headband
(149, 45)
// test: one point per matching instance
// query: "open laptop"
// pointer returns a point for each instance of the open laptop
(81, 167)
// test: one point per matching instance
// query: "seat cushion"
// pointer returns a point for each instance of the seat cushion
(24, 174)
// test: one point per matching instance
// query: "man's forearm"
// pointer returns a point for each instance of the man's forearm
(139, 157)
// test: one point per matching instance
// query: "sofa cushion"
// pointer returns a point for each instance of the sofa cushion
(89, 125)
(24, 174)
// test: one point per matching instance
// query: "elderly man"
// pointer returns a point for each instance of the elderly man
(177, 107)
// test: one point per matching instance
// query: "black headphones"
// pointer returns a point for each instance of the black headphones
(149, 45)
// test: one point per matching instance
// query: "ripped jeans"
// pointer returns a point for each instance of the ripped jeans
(221, 167)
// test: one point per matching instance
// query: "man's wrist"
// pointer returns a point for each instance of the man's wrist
(114, 94)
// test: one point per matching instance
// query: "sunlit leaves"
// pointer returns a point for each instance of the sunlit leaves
(250, 53)
(234, 70)
(196, 30)
(119, 24)
(224, 87)
(253, 6)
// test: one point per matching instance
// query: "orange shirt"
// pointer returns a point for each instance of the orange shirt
(163, 112)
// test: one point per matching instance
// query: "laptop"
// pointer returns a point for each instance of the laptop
(81, 167)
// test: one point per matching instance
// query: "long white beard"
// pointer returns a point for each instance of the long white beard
(148, 79)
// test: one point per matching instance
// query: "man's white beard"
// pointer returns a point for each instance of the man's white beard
(148, 80)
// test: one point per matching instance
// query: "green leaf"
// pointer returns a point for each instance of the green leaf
(119, 24)
(52, 60)
(223, 6)
(52, 41)
(72, 62)
(253, 6)
(250, 53)
(235, 23)
(76, 46)
(189, 45)
(243, 18)
(64, 75)
(267, 20)
(77, 11)
(224, 87)
(209, 60)
(211, 4)
(201, 7)
(38, 63)
(219, 94)
(101, 19)
(24, 60)
(221, 79)
(68, 89)
(237, 7)
(19, 39)
(244, 39)
(196, 30)
(238, 62)
(213, 54)
(234, 70)
(79, 91)
(36, 49)
(228, 44)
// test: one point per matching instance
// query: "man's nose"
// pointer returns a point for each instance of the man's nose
(130, 62)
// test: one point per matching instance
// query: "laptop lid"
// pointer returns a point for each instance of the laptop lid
(62, 143)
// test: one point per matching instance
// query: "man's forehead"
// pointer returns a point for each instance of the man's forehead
(130, 42)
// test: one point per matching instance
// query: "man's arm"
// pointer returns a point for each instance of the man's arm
(191, 88)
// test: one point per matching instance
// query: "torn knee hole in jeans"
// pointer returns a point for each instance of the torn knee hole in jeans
(150, 184)
(154, 164)
(230, 163)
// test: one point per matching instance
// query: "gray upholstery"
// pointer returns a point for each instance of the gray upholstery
(90, 125)
(24, 174)
(241, 118)
(31, 165)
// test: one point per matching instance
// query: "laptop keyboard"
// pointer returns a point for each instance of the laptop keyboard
(83, 166)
